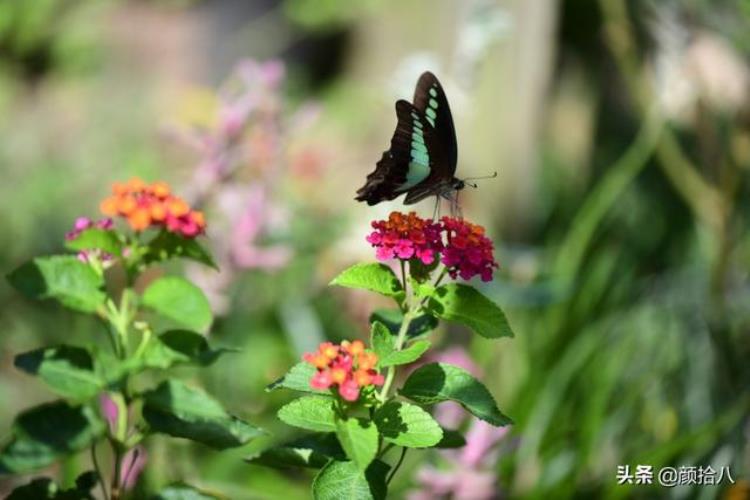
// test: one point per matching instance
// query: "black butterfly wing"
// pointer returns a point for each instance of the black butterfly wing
(431, 102)
(407, 163)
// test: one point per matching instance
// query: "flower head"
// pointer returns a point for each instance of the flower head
(152, 205)
(468, 252)
(406, 237)
(348, 366)
(90, 254)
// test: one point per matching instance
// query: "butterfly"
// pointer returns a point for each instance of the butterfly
(421, 161)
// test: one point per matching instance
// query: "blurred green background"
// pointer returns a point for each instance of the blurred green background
(620, 133)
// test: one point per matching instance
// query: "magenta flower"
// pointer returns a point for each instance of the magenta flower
(468, 252)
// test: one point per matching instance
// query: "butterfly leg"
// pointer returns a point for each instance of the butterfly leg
(455, 205)
(436, 211)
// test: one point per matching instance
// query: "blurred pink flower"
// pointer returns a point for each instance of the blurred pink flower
(242, 160)
(131, 467)
(469, 472)
(248, 228)
(110, 411)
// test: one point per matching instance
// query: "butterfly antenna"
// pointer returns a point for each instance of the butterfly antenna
(494, 174)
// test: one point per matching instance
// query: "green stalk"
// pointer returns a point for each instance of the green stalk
(400, 338)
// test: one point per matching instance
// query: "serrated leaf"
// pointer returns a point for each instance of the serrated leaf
(297, 379)
(179, 300)
(406, 355)
(359, 439)
(63, 278)
(314, 413)
(179, 410)
(45, 433)
(176, 347)
(102, 239)
(392, 318)
(343, 480)
(437, 382)
(310, 451)
(404, 424)
(69, 371)
(383, 345)
(464, 304)
(166, 245)
(374, 277)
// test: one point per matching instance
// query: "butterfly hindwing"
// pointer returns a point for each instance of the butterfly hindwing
(407, 163)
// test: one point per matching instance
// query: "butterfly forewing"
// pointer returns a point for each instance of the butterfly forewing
(407, 162)
(430, 100)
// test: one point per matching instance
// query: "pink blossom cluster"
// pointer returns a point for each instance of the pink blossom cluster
(462, 247)
(348, 366)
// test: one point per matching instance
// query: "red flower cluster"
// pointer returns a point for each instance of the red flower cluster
(468, 252)
(146, 205)
(465, 252)
(349, 366)
(406, 237)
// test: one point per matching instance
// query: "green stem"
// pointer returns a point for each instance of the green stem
(115, 488)
(400, 339)
(98, 471)
(398, 465)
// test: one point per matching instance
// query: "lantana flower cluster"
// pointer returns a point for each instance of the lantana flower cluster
(80, 225)
(406, 237)
(349, 367)
(152, 205)
(468, 252)
(462, 247)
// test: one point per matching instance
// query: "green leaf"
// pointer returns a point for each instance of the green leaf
(451, 439)
(177, 347)
(405, 356)
(343, 480)
(313, 451)
(437, 382)
(392, 318)
(359, 439)
(45, 489)
(374, 277)
(404, 424)
(63, 278)
(45, 433)
(178, 410)
(102, 239)
(182, 491)
(383, 340)
(67, 370)
(464, 304)
(166, 245)
(179, 300)
(314, 413)
(297, 379)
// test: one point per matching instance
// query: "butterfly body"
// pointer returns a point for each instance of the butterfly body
(421, 161)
